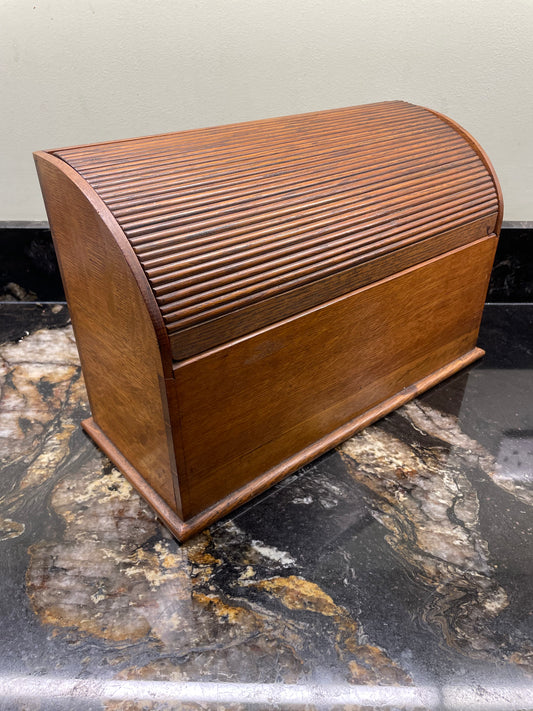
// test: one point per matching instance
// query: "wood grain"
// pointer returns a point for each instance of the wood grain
(248, 405)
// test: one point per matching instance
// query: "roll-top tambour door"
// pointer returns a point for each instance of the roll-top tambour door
(240, 226)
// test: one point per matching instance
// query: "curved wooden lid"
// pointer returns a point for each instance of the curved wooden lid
(239, 226)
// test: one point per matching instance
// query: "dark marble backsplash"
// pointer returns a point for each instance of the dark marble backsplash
(29, 271)
(28, 266)
(512, 274)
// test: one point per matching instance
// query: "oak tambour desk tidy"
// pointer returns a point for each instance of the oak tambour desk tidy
(247, 296)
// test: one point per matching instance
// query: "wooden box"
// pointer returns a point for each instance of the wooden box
(246, 297)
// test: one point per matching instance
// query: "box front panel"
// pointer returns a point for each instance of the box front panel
(247, 406)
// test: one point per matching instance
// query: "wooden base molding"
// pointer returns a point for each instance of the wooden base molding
(183, 530)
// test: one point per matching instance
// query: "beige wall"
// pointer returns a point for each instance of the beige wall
(77, 71)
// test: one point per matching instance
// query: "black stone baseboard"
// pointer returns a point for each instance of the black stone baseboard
(29, 271)
(512, 274)
(28, 264)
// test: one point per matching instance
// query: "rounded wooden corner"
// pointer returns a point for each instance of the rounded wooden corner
(484, 158)
(47, 164)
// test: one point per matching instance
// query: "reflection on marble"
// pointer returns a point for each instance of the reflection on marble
(512, 273)
(401, 560)
(28, 264)
(424, 498)
(513, 468)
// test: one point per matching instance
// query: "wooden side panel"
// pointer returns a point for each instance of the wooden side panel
(118, 347)
(250, 405)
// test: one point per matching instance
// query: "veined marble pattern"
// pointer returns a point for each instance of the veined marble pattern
(401, 559)
(424, 498)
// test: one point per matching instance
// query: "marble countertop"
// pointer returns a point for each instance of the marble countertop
(396, 571)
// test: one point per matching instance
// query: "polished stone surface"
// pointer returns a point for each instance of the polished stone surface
(396, 571)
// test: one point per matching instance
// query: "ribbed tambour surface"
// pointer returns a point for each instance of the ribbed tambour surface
(223, 218)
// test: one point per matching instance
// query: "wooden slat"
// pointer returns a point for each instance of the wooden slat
(282, 228)
(329, 136)
(245, 292)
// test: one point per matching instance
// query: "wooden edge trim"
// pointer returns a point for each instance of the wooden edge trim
(484, 158)
(325, 304)
(125, 247)
(183, 530)
(163, 510)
